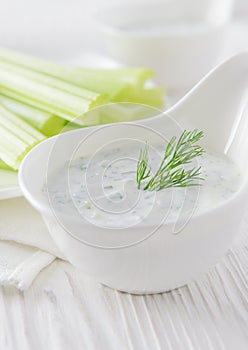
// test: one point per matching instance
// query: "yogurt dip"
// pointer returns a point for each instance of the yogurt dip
(102, 188)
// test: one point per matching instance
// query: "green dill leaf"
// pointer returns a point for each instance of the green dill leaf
(171, 172)
(143, 171)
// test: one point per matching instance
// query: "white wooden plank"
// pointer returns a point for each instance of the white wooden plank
(64, 309)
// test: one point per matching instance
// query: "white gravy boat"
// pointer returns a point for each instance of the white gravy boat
(135, 259)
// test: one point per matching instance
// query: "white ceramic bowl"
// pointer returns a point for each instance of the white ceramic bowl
(180, 40)
(125, 259)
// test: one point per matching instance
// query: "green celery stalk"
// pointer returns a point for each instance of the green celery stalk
(104, 81)
(13, 155)
(66, 74)
(20, 127)
(13, 149)
(34, 63)
(114, 113)
(153, 97)
(122, 85)
(16, 138)
(49, 98)
(54, 82)
(131, 75)
(47, 123)
(4, 166)
(112, 81)
(33, 103)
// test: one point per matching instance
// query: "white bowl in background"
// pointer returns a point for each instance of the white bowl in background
(180, 40)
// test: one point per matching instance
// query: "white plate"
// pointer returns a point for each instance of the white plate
(9, 185)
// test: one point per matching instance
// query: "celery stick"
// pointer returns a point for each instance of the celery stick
(53, 97)
(4, 166)
(122, 85)
(54, 82)
(46, 67)
(131, 75)
(72, 126)
(149, 96)
(31, 102)
(112, 81)
(34, 63)
(61, 103)
(16, 138)
(49, 124)
(107, 81)
(12, 148)
(18, 126)
(123, 76)
(118, 112)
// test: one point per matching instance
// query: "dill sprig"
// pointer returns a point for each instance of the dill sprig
(142, 172)
(169, 173)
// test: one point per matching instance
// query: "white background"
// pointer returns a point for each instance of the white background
(58, 28)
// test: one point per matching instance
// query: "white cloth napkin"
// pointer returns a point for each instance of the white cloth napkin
(25, 244)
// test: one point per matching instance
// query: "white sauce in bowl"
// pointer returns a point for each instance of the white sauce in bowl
(103, 189)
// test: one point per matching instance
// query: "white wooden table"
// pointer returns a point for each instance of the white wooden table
(65, 310)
